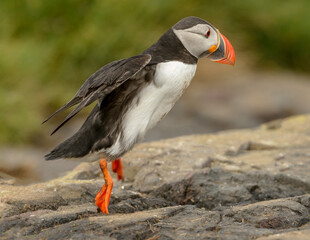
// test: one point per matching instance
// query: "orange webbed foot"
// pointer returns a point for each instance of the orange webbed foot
(103, 196)
(117, 167)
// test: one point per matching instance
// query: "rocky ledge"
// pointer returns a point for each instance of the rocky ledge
(241, 184)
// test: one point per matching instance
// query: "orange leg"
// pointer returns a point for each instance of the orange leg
(117, 167)
(103, 196)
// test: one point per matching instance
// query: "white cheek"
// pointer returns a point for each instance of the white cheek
(196, 44)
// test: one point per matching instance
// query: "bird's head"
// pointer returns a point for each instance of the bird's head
(201, 39)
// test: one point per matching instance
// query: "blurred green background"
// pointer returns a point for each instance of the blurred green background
(49, 48)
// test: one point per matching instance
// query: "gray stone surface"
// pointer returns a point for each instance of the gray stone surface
(241, 184)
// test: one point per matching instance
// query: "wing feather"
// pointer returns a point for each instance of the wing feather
(102, 82)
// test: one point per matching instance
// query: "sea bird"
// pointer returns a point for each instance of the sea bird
(135, 93)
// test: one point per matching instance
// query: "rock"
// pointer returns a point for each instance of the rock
(241, 184)
(213, 188)
(270, 214)
(296, 235)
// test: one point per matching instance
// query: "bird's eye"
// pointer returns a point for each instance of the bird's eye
(208, 34)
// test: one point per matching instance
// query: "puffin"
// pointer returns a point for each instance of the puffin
(134, 94)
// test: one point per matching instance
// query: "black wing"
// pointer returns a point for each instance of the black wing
(102, 82)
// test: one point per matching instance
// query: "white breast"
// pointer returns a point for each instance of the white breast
(155, 101)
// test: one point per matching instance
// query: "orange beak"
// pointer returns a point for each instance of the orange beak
(224, 53)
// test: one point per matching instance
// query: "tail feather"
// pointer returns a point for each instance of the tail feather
(52, 155)
(80, 144)
(61, 151)
(74, 147)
